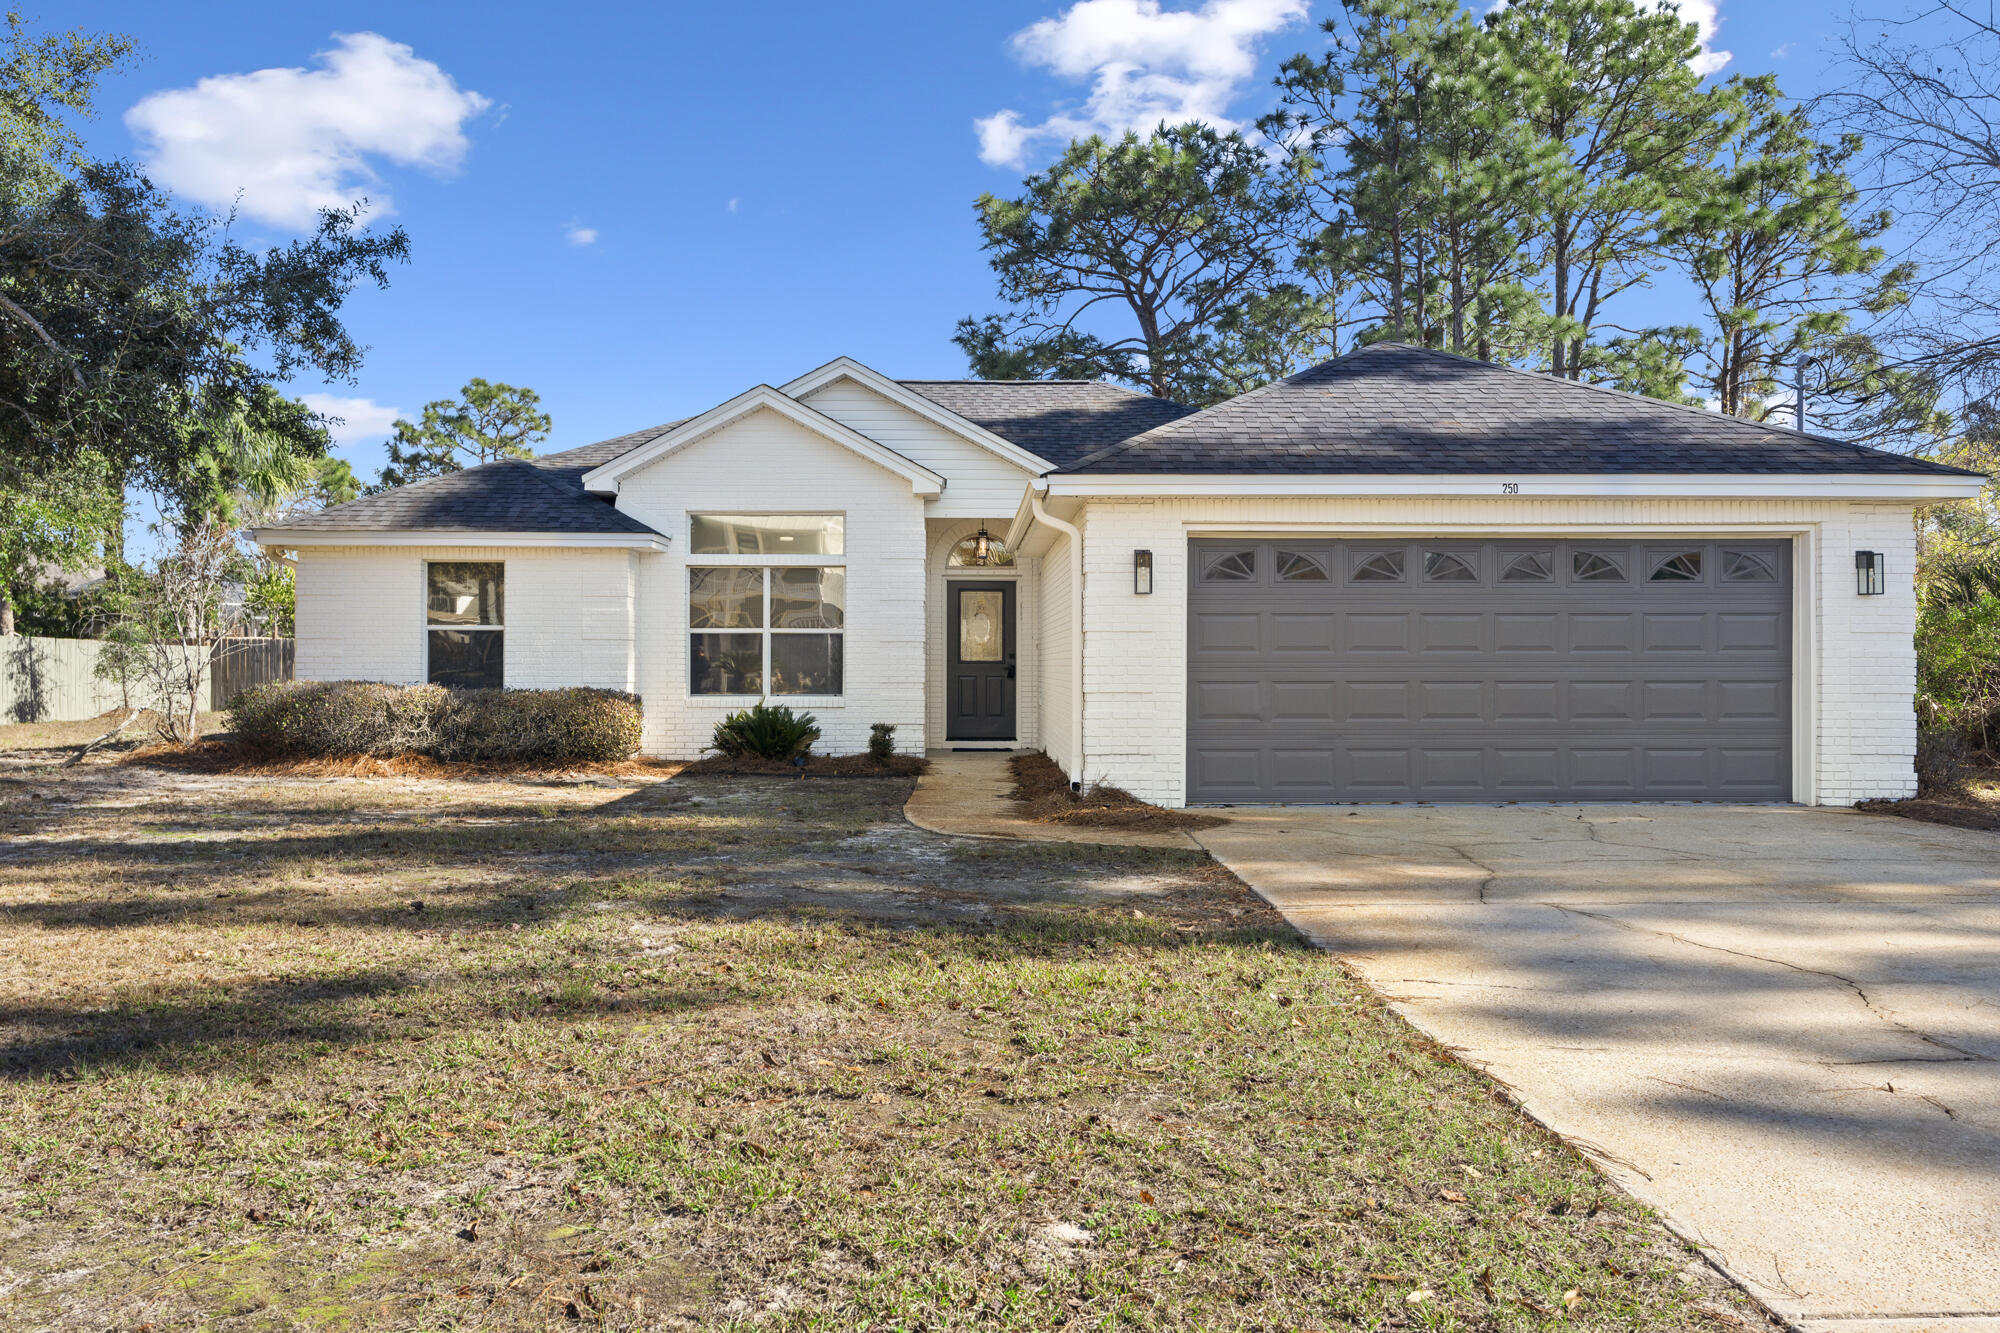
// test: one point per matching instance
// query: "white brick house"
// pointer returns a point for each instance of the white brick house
(1397, 576)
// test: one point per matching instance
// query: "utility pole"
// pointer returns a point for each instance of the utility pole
(1799, 398)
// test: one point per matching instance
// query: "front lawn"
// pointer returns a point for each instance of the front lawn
(726, 1053)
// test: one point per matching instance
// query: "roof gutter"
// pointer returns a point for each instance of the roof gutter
(1913, 487)
(295, 538)
(1075, 620)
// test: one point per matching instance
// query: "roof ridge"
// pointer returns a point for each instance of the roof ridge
(1707, 415)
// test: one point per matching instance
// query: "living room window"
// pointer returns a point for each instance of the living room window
(767, 604)
(465, 623)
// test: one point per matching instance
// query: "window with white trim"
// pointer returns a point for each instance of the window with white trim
(465, 623)
(767, 604)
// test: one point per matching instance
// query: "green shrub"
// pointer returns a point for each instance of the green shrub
(766, 733)
(327, 719)
(882, 742)
(1958, 669)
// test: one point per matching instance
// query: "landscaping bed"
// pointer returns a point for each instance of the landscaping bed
(399, 1052)
(1042, 793)
(815, 766)
(1976, 807)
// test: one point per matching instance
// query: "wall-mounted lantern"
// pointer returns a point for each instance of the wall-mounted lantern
(1142, 572)
(1868, 570)
(982, 546)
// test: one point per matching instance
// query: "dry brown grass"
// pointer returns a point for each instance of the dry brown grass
(1041, 791)
(291, 1052)
(30, 736)
(1976, 805)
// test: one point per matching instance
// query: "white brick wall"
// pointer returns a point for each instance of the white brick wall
(764, 463)
(1860, 732)
(569, 614)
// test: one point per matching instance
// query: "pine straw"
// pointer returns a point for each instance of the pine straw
(1041, 791)
(213, 756)
(816, 766)
(1959, 814)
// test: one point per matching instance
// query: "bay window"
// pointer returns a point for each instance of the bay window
(767, 604)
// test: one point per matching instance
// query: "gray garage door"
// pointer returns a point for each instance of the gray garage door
(1323, 670)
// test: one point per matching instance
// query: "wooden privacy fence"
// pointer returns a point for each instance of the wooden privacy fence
(54, 680)
(237, 664)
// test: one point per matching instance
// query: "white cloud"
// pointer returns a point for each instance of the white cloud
(577, 235)
(1145, 64)
(293, 141)
(360, 418)
(1784, 51)
(1706, 15)
(732, 205)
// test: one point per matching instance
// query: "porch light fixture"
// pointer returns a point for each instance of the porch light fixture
(982, 546)
(1142, 572)
(1868, 570)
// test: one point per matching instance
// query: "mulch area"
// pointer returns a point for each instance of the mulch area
(1041, 790)
(816, 766)
(217, 756)
(1970, 814)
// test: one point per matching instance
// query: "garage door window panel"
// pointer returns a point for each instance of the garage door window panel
(1450, 567)
(1596, 567)
(1747, 567)
(1529, 567)
(1229, 567)
(1301, 567)
(1679, 567)
(1378, 567)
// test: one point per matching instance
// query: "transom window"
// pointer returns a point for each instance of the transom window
(1229, 567)
(1681, 567)
(465, 627)
(1382, 567)
(772, 627)
(768, 534)
(1595, 567)
(1445, 567)
(1747, 567)
(1528, 567)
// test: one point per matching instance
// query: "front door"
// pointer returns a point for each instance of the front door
(981, 695)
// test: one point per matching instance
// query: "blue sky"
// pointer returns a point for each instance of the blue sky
(639, 211)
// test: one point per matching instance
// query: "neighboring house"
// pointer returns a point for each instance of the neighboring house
(1398, 575)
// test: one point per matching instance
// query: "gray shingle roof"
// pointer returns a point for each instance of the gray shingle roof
(1060, 420)
(516, 495)
(1394, 408)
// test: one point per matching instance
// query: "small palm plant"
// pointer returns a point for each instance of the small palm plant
(766, 733)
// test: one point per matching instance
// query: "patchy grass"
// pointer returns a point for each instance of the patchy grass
(343, 1054)
(1041, 792)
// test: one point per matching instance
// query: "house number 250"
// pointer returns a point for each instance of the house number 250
(1510, 488)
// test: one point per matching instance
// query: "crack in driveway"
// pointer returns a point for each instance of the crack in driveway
(1852, 986)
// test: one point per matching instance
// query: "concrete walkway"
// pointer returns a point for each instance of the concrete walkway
(1779, 1026)
(965, 793)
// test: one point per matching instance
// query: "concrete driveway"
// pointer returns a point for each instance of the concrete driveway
(1779, 1026)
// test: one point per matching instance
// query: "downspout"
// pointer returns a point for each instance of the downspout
(1075, 619)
